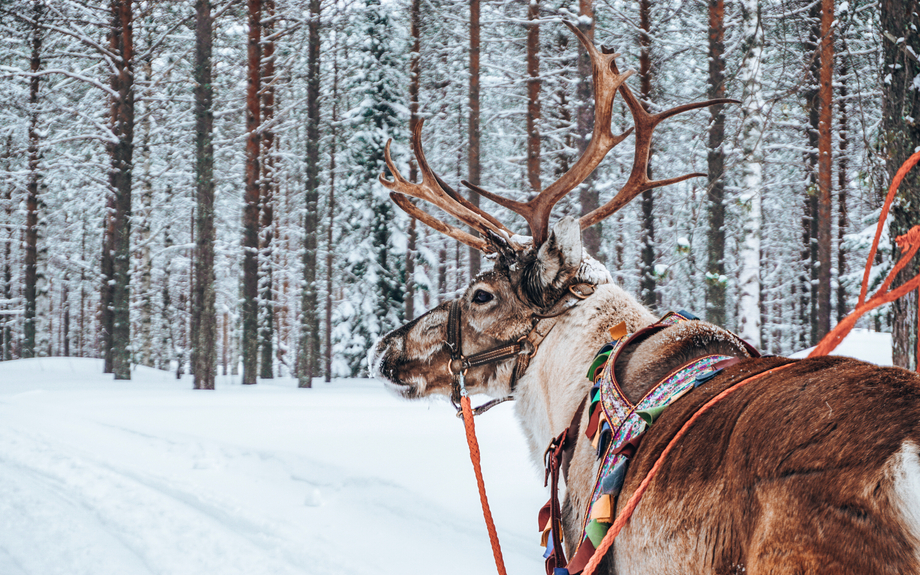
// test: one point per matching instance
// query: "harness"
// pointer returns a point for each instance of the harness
(522, 350)
(615, 428)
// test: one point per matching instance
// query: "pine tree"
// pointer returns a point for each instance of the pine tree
(375, 293)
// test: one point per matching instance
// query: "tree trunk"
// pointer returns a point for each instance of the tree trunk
(143, 335)
(414, 85)
(533, 96)
(715, 268)
(250, 312)
(309, 346)
(474, 171)
(825, 167)
(330, 228)
(31, 287)
(204, 312)
(809, 279)
(122, 152)
(268, 183)
(647, 288)
(842, 169)
(900, 21)
(6, 331)
(584, 119)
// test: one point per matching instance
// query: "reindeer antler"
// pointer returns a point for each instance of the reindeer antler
(638, 181)
(607, 81)
(432, 190)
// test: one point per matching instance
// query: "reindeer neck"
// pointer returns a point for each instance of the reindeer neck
(549, 392)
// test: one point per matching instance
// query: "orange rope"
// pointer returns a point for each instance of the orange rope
(909, 243)
(633, 502)
(474, 457)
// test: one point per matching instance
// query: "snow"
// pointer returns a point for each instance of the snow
(148, 476)
(863, 344)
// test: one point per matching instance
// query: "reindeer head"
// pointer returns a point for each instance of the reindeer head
(530, 275)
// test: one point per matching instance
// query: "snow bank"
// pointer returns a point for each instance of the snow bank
(148, 476)
(863, 344)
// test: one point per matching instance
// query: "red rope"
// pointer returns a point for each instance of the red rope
(474, 457)
(627, 512)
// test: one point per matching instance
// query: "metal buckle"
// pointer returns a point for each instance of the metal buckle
(579, 295)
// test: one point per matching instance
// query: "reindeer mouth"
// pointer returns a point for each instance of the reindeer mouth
(381, 367)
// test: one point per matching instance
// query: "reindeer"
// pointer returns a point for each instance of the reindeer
(812, 470)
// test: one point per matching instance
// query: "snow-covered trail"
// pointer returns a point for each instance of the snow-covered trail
(149, 476)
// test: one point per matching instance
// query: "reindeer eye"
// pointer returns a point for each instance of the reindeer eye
(482, 296)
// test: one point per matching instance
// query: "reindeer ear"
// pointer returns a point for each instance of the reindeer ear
(558, 261)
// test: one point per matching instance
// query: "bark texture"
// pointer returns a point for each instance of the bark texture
(647, 283)
(533, 96)
(309, 345)
(250, 311)
(122, 156)
(204, 313)
(900, 21)
(268, 184)
(825, 167)
(715, 264)
(30, 259)
(474, 172)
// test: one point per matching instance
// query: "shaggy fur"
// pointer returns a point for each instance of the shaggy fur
(812, 470)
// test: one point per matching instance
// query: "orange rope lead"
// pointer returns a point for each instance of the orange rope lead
(474, 457)
(633, 502)
(908, 243)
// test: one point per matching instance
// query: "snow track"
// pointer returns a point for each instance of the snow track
(149, 477)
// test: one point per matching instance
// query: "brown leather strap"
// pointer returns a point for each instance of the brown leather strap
(557, 458)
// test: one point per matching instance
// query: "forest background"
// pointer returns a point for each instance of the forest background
(192, 184)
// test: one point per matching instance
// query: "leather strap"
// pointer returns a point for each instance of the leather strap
(557, 458)
(521, 350)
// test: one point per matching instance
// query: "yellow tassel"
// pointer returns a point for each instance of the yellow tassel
(544, 537)
(601, 510)
(618, 331)
(597, 434)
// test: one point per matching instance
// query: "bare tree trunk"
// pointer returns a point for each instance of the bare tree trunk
(250, 312)
(809, 278)
(204, 314)
(31, 287)
(715, 268)
(414, 85)
(584, 118)
(474, 170)
(752, 123)
(6, 332)
(533, 96)
(65, 323)
(309, 346)
(143, 336)
(842, 169)
(330, 228)
(647, 288)
(122, 152)
(268, 185)
(825, 167)
(900, 21)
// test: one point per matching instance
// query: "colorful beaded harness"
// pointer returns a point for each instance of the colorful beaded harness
(616, 427)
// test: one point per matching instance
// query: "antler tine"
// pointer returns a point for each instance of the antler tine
(431, 191)
(638, 181)
(471, 206)
(607, 79)
(461, 236)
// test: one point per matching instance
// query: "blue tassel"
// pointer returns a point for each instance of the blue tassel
(606, 434)
(560, 571)
(703, 378)
(612, 483)
(687, 315)
(549, 545)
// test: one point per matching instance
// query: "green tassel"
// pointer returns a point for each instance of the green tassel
(651, 414)
(596, 531)
(598, 361)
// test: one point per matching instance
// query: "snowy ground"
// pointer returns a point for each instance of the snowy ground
(147, 476)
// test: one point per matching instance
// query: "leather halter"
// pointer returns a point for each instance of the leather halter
(522, 350)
